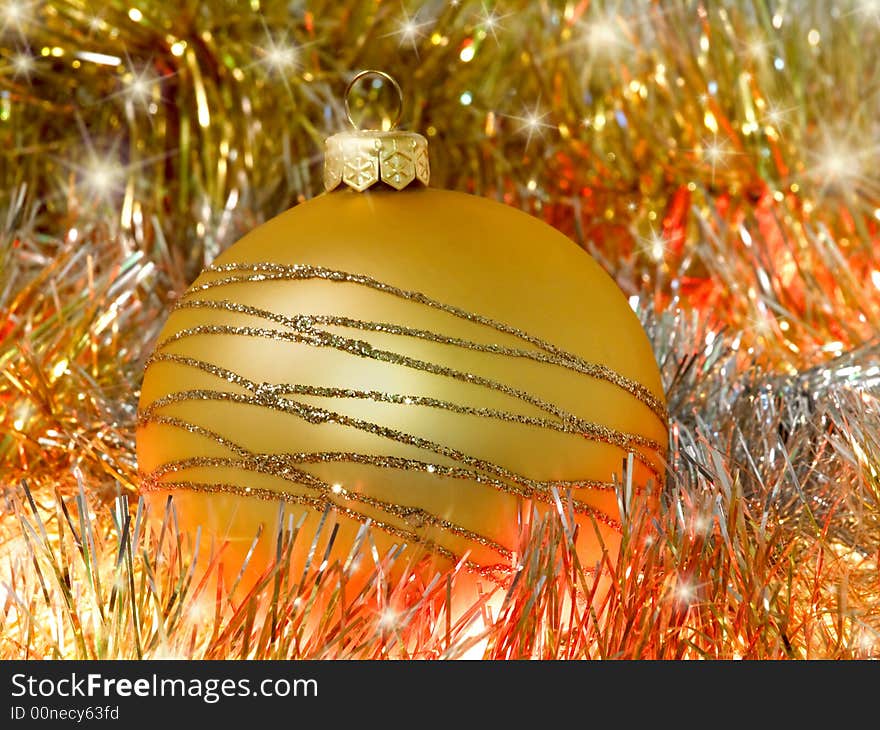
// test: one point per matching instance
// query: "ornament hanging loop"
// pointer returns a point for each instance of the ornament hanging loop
(387, 78)
(363, 158)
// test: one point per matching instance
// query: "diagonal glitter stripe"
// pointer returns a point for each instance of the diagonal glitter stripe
(265, 271)
(513, 483)
(196, 429)
(307, 322)
(397, 462)
(593, 431)
(282, 466)
(574, 424)
(267, 395)
(491, 572)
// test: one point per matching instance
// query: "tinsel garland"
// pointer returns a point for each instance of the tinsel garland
(719, 159)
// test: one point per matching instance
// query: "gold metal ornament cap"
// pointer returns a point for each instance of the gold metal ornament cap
(364, 157)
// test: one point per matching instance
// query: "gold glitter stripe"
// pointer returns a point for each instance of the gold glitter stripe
(589, 429)
(397, 462)
(283, 466)
(521, 486)
(280, 466)
(307, 322)
(265, 271)
(196, 429)
(364, 349)
(491, 571)
(266, 398)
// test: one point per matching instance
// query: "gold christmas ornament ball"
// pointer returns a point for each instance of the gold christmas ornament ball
(434, 364)
(428, 360)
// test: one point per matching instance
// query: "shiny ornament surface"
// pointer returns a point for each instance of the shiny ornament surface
(433, 362)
